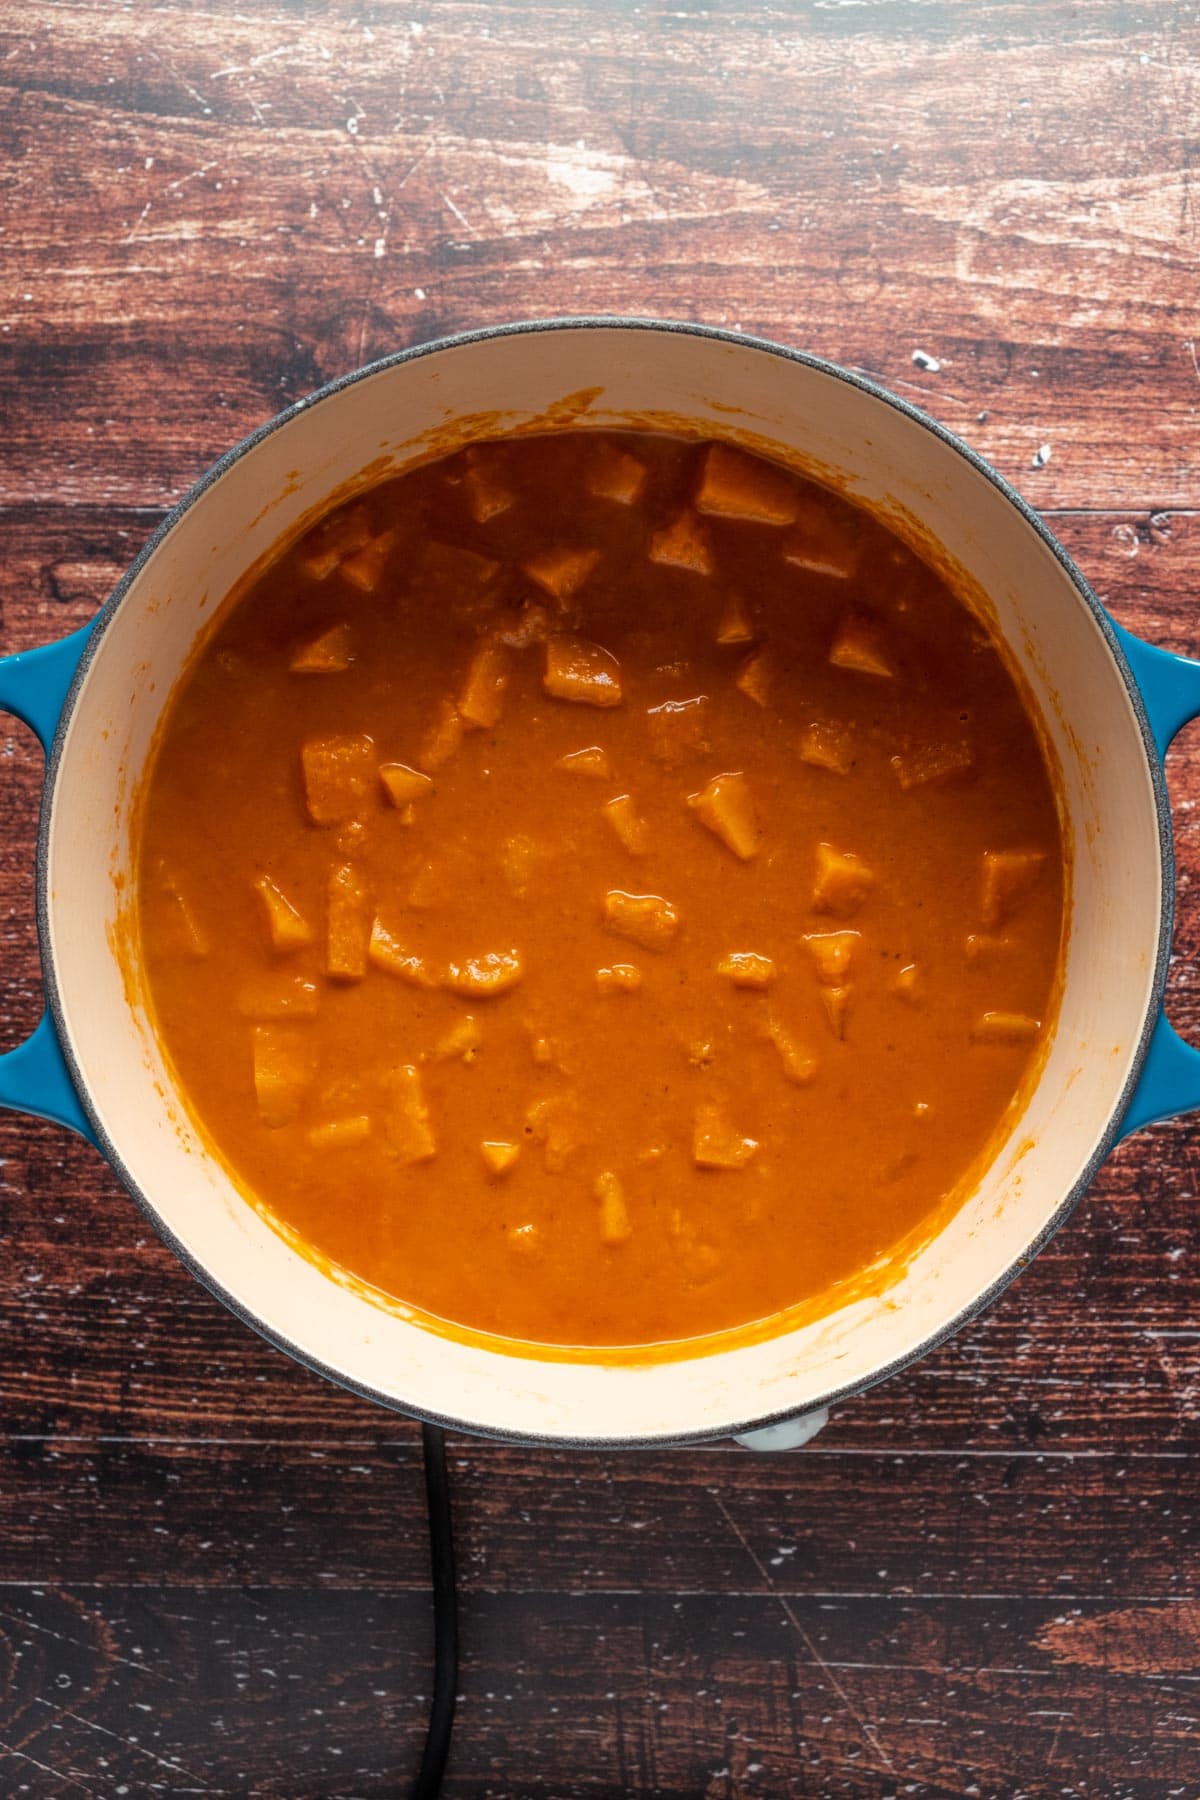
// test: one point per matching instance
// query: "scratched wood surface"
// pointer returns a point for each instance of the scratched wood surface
(982, 1580)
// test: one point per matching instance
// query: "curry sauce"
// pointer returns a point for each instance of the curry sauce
(600, 889)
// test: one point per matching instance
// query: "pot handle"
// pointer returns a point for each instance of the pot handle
(1169, 1083)
(34, 1077)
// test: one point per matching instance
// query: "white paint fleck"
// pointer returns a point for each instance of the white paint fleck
(923, 360)
(1041, 456)
(584, 181)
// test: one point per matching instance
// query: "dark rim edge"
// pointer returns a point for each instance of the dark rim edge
(742, 340)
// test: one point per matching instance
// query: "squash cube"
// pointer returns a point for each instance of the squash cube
(832, 952)
(481, 701)
(615, 475)
(348, 924)
(487, 496)
(1005, 1028)
(592, 762)
(462, 1040)
(619, 978)
(404, 785)
(799, 1063)
(735, 625)
(615, 1227)
(754, 678)
(286, 926)
(931, 762)
(186, 933)
(581, 672)
(836, 1001)
(562, 572)
(284, 1064)
(726, 806)
(553, 1123)
(499, 1156)
(820, 542)
(827, 747)
(908, 985)
(385, 952)
(1008, 877)
(736, 486)
(483, 977)
(340, 1134)
(843, 881)
(278, 997)
(442, 738)
(364, 570)
(679, 729)
(328, 654)
(408, 1129)
(332, 540)
(716, 1143)
(746, 969)
(338, 775)
(683, 544)
(630, 828)
(643, 919)
(859, 647)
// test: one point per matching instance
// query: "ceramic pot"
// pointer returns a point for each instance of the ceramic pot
(1109, 705)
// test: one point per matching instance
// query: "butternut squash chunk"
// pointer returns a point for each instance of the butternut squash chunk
(843, 881)
(404, 785)
(408, 1128)
(592, 762)
(643, 919)
(680, 729)
(736, 486)
(481, 701)
(284, 1063)
(726, 806)
(746, 969)
(582, 673)
(683, 544)
(629, 828)
(820, 543)
(329, 654)
(832, 952)
(338, 775)
(716, 1142)
(616, 475)
(348, 924)
(562, 572)
(615, 1225)
(859, 646)
(286, 926)
(1008, 878)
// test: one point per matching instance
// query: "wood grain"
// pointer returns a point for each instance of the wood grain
(982, 1579)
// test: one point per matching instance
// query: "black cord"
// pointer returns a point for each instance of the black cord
(445, 1618)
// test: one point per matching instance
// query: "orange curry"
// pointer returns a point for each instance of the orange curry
(600, 889)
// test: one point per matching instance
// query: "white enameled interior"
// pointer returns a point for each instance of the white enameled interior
(876, 453)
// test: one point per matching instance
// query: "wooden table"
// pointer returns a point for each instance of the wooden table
(982, 1579)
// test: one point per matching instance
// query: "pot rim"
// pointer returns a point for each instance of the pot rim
(57, 1008)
